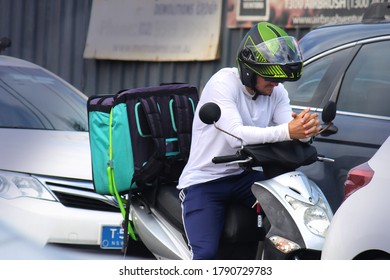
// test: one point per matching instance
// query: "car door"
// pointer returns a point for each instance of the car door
(358, 78)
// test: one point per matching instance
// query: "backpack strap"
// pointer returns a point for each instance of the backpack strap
(184, 109)
(128, 225)
(156, 162)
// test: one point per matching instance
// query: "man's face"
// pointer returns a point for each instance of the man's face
(265, 87)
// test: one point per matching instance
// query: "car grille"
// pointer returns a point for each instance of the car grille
(79, 194)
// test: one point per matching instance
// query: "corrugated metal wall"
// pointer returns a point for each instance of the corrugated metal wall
(52, 33)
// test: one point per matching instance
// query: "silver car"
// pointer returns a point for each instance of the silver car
(46, 189)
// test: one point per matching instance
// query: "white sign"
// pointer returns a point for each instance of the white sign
(154, 30)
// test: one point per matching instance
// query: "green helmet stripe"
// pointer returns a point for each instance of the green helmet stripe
(268, 32)
(259, 56)
(274, 71)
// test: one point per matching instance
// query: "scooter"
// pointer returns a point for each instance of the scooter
(289, 220)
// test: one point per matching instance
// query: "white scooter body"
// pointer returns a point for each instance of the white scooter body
(166, 241)
(297, 186)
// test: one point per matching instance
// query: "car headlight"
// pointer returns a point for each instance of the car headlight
(315, 217)
(14, 185)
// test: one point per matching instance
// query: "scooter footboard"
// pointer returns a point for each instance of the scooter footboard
(162, 239)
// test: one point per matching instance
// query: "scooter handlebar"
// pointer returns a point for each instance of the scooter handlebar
(229, 158)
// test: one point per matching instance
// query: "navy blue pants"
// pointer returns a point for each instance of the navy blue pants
(204, 210)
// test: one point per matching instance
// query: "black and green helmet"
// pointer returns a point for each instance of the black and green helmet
(268, 51)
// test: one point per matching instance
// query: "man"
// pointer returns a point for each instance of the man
(254, 107)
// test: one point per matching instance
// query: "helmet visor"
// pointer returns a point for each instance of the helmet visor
(280, 51)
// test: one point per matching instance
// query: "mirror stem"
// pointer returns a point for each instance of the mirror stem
(220, 129)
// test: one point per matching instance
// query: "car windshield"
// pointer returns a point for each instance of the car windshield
(31, 98)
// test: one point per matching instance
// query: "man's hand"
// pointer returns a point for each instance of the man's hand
(304, 125)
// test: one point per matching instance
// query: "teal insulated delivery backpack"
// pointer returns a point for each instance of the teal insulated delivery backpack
(140, 138)
(142, 134)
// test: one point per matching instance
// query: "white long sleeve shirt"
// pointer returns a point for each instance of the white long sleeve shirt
(263, 120)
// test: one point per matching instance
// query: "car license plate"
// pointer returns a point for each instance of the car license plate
(112, 237)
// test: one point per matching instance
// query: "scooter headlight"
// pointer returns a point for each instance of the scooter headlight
(315, 216)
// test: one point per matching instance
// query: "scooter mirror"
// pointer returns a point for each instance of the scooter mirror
(329, 112)
(209, 113)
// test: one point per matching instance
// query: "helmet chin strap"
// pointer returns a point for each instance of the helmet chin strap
(257, 93)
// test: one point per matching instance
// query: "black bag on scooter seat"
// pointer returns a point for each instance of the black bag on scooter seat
(289, 155)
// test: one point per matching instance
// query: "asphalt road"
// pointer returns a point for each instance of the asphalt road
(136, 251)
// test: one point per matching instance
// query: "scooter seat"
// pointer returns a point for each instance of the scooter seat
(167, 202)
(240, 222)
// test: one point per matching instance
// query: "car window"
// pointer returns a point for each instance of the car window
(31, 98)
(366, 85)
(311, 88)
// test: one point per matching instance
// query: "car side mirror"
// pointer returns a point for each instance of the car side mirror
(329, 112)
(328, 115)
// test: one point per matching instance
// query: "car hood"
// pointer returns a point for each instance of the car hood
(63, 154)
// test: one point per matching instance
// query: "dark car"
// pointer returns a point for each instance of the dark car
(349, 64)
